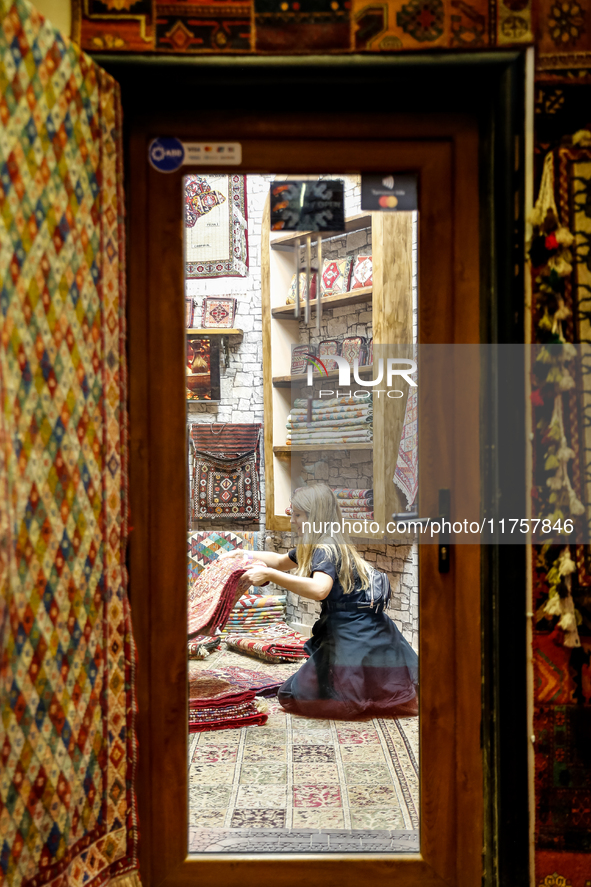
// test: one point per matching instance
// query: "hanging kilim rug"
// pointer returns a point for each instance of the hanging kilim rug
(216, 238)
(406, 475)
(67, 664)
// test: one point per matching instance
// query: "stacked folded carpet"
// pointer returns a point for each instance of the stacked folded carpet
(279, 643)
(254, 612)
(260, 682)
(217, 704)
(355, 504)
(339, 420)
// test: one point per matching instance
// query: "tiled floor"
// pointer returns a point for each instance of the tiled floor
(304, 785)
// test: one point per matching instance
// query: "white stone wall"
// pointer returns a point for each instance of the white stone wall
(242, 382)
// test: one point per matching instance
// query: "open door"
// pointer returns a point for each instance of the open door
(434, 253)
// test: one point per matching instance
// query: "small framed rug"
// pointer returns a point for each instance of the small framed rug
(218, 312)
(216, 236)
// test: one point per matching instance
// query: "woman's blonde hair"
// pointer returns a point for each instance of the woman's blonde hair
(322, 509)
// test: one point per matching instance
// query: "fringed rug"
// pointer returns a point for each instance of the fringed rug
(298, 776)
(67, 671)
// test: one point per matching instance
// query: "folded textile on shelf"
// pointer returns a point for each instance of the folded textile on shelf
(216, 590)
(349, 431)
(345, 493)
(341, 420)
(337, 421)
(278, 644)
(357, 515)
(356, 503)
(324, 441)
(343, 401)
(260, 600)
(215, 703)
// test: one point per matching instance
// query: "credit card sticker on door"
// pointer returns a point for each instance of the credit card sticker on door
(389, 192)
(168, 154)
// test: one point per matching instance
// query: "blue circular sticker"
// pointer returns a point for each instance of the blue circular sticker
(166, 155)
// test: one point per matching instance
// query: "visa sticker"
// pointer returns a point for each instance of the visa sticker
(168, 154)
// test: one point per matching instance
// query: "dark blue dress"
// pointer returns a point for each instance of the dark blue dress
(360, 665)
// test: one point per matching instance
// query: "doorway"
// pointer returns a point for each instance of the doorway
(159, 467)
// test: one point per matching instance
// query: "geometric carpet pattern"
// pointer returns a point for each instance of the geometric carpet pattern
(221, 27)
(295, 774)
(67, 706)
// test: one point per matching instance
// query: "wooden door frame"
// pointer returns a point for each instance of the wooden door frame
(155, 480)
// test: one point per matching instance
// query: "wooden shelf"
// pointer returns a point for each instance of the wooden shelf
(311, 448)
(363, 294)
(301, 378)
(286, 242)
(215, 332)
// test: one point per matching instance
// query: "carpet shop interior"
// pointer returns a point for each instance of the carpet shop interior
(263, 778)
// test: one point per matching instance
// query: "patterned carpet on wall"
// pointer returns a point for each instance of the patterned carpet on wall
(562, 685)
(302, 784)
(67, 657)
(220, 27)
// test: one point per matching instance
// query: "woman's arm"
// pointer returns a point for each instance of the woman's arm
(270, 558)
(315, 589)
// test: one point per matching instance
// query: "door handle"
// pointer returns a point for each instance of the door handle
(445, 535)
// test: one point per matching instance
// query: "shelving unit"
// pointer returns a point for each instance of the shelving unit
(362, 294)
(391, 300)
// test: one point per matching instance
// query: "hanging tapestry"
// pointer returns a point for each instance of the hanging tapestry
(406, 474)
(226, 472)
(563, 777)
(561, 577)
(222, 27)
(67, 671)
(216, 237)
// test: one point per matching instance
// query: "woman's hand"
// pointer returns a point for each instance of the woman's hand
(258, 575)
(236, 552)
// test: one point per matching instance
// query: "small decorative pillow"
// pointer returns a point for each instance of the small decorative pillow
(327, 347)
(362, 272)
(353, 348)
(291, 296)
(299, 356)
(336, 276)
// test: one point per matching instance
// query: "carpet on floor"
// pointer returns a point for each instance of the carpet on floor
(302, 773)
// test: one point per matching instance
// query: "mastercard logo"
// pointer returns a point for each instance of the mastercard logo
(388, 201)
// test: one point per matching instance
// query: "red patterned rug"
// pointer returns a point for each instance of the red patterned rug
(215, 591)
